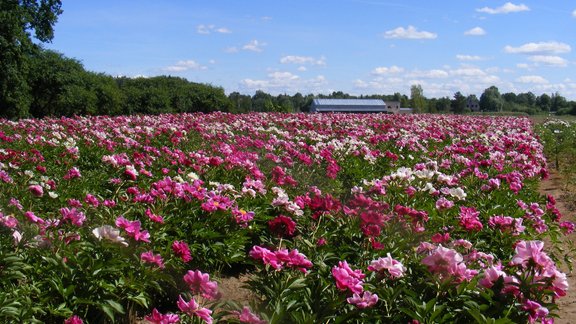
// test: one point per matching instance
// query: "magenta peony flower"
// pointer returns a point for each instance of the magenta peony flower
(36, 190)
(74, 320)
(348, 279)
(158, 318)
(181, 250)
(192, 308)
(150, 257)
(282, 226)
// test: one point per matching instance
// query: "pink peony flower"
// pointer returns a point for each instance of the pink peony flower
(535, 311)
(469, 219)
(109, 233)
(246, 316)
(199, 283)
(36, 190)
(72, 174)
(33, 218)
(282, 226)
(76, 217)
(368, 299)
(348, 279)
(158, 318)
(394, 268)
(192, 308)
(443, 204)
(181, 250)
(491, 275)
(74, 320)
(530, 253)
(150, 257)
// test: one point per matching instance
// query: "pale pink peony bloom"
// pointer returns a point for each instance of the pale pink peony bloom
(109, 233)
(394, 268)
(443, 204)
(531, 253)
(8, 220)
(246, 316)
(368, 299)
(199, 283)
(535, 311)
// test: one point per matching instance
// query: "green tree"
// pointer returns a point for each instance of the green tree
(558, 102)
(527, 99)
(443, 104)
(417, 98)
(19, 19)
(458, 104)
(491, 100)
(544, 102)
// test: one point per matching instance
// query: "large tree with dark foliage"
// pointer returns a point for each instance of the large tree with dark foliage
(21, 21)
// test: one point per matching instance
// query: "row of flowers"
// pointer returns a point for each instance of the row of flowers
(390, 218)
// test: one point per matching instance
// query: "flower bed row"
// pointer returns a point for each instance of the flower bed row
(336, 218)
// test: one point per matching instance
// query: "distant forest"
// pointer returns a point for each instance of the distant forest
(35, 82)
(56, 86)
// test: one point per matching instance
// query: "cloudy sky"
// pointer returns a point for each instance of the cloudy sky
(320, 46)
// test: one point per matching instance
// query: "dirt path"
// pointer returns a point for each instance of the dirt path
(555, 186)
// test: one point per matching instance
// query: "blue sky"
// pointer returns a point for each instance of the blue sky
(320, 46)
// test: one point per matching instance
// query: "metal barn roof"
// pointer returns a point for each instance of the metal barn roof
(349, 102)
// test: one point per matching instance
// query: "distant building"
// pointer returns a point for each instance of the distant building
(356, 106)
(393, 107)
(472, 103)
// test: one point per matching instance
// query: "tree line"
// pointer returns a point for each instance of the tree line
(35, 82)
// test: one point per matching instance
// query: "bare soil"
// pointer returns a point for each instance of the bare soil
(557, 186)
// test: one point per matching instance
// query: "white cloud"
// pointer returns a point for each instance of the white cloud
(207, 29)
(293, 59)
(254, 46)
(203, 29)
(387, 70)
(476, 31)
(430, 74)
(549, 60)
(302, 68)
(523, 66)
(283, 82)
(182, 66)
(508, 7)
(532, 79)
(232, 49)
(539, 48)
(283, 76)
(223, 30)
(574, 13)
(468, 72)
(461, 57)
(409, 33)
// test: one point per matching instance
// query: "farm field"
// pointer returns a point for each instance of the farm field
(331, 218)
